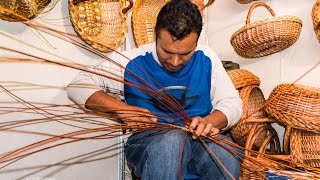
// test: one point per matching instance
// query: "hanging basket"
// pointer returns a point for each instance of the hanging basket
(296, 106)
(267, 36)
(243, 78)
(144, 17)
(15, 11)
(316, 18)
(100, 23)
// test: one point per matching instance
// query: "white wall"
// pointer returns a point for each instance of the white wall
(226, 17)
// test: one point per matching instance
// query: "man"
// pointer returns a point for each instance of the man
(161, 78)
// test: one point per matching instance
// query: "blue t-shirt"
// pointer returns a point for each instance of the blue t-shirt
(172, 96)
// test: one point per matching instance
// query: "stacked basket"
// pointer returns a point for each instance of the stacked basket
(298, 108)
(12, 10)
(100, 23)
(267, 36)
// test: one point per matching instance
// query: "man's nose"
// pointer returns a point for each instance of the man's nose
(175, 60)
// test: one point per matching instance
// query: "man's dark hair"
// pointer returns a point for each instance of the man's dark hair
(179, 18)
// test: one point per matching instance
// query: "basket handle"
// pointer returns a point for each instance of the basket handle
(256, 4)
(125, 10)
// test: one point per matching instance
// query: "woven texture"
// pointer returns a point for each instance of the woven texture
(26, 9)
(316, 18)
(305, 147)
(296, 106)
(101, 24)
(267, 36)
(144, 17)
(243, 78)
(244, 1)
(252, 99)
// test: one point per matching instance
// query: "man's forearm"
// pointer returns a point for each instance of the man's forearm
(217, 119)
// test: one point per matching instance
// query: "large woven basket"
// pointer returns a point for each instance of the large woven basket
(100, 23)
(296, 106)
(144, 17)
(26, 9)
(252, 99)
(267, 36)
(243, 78)
(316, 18)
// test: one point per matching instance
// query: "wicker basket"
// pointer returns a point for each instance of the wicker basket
(296, 106)
(316, 18)
(267, 36)
(101, 24)
(243, 78)
(252, 99)
(144, 17)
(27, 9)
(245, 1)
(250, 167)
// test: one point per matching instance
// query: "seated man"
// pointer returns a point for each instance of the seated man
(174, 80)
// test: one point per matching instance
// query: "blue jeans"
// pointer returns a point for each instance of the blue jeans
(169, 155)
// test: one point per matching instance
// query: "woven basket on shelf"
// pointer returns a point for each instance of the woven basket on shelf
(100, 23)
(27, 9)
(144, 17)
(252, 99)
(267, 36)
(316, 18)
(242, 78)
(296, 106)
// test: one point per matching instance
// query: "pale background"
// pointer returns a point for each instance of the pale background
(222, 19)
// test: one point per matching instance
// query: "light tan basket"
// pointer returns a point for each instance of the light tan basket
(242, 78)
(100, 23)
(316, 18)
(296, 106)
(144, 17)
(252, 99)
(267, 36)
(27, 9)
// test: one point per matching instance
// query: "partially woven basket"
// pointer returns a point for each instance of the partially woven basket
(296, 106)
(100, 23)
(144, 17)
(252, 99)
(24, 9)
(316, 18)
(242, 78)
(264, 37)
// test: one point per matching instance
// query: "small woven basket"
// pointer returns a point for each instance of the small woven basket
(267, 36)
(296, 106)
(316, 18)
(100, 23)
(24, 9)
(243, 78)
(252, 99)
(144, 17)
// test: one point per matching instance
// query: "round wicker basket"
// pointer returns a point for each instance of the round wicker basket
(144, 17)
(242, 78)
(252, 99)
(316, 18)
(24, 9)
(100, 23)
(267, 36)
(296, 106)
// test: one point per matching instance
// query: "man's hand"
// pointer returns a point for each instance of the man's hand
(136, 117)
(200, 126)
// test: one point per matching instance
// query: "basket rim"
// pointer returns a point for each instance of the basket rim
(266, 21)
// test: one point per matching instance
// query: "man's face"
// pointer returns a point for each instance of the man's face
(173, 55)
